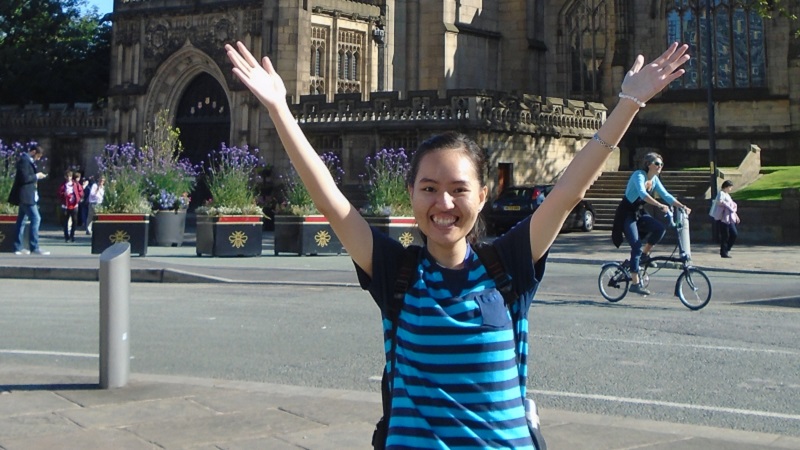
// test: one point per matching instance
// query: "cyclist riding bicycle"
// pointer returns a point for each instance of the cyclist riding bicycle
(632, 221)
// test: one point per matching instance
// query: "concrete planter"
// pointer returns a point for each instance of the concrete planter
(229, 235)
(109, 229)
(305, 235)
(168, 228)
(8, 224)
(399, 228)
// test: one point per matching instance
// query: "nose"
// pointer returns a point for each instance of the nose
(445, 200)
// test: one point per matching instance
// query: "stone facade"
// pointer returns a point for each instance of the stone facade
(400, 66)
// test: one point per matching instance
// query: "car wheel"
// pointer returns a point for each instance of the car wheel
(588, 221)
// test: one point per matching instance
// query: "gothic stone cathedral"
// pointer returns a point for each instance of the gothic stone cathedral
(530, 80)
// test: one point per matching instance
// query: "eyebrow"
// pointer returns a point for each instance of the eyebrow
(431, 180)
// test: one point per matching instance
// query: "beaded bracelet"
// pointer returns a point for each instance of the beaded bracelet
(604, 143)
(633, 99)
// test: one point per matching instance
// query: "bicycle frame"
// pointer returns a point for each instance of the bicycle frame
(692, 287)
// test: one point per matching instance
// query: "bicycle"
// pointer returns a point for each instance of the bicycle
(693, 287)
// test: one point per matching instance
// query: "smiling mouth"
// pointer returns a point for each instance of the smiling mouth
(444, 221)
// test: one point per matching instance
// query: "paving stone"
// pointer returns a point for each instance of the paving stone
(106, 439)
(210, 430)
(130, 413)
(32, 402)
(48, 424)
(132, 392)
(352, 436)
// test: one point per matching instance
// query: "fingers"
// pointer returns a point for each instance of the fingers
(637, 64)
(267, 64)
(251, 60)
(236, 58)
(674, 57)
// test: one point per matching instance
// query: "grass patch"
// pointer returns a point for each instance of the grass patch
(773, 180)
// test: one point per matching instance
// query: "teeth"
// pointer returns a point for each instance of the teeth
(444, 221)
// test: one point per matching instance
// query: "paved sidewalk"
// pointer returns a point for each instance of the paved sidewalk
(74, 261)
(45, 408)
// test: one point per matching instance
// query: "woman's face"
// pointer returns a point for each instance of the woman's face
(446, 197)
(656, 166)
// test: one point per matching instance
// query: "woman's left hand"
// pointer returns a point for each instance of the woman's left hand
(262, 80)
(645, 81)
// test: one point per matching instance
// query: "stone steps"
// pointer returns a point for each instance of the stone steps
(607, 191)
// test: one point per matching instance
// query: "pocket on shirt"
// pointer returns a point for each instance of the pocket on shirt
(493, 309)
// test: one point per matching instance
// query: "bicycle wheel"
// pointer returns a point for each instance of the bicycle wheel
(693, 288)
(613, 282)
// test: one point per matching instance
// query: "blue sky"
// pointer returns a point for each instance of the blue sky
(103, 6)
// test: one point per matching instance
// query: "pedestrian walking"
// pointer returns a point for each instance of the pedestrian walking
(25, 194)
(727, 218)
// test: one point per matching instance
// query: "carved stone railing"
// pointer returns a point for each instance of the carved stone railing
(483, 110)
(57, 116)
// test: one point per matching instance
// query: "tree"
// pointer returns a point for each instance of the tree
(52, 51)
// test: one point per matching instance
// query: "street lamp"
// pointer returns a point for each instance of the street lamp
(712, 141)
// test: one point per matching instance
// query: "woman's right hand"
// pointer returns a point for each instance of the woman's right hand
(262, 80)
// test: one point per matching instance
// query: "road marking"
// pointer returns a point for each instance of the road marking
(41, 353)
(640, 401)
(670, 344)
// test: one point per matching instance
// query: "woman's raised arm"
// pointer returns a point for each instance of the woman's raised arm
(265, 83)
(641, 83)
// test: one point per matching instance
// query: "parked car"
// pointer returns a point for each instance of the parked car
(518, 202)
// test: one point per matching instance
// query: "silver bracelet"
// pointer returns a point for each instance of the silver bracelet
(605, 144)
(633, 99)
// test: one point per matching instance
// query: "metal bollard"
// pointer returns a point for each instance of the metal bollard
(115, 281)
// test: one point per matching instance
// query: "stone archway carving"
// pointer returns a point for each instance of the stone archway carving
(174, 75)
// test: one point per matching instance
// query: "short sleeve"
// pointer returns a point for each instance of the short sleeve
(514, 248)
(386, 253)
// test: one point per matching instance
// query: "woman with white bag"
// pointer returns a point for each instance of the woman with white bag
(726, 217)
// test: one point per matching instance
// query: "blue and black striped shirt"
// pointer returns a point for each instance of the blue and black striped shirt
(458, 382)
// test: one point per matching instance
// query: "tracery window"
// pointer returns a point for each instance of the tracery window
(738, 58)
(585, 31)
(351, 46)
(319, 40)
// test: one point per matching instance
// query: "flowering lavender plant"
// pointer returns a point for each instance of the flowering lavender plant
(387, 192)
(8, 170)
(297, 199)
(124, 192)
(168, 179)
(232, 175)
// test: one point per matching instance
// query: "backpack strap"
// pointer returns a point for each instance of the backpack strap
(490, 258)
(405, 275)
(405, 278)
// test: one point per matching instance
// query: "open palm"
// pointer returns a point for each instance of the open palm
(645, 81)
(262, 80)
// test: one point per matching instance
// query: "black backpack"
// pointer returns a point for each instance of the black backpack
(489, 257)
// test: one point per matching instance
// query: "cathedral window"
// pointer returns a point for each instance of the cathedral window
(737, 57)
(319, 42)
(585, 26)
(351, 45)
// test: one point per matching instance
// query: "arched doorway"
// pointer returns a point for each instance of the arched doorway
(204, 120)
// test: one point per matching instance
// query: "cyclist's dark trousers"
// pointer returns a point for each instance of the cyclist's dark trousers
(646, 227)
(727, 236)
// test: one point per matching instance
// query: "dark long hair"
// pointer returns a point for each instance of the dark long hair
(452, 140)
(649, 158)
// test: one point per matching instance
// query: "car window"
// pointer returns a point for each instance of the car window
(514, 194)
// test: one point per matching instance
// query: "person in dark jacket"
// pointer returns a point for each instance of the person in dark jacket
(27, 195)
(641, 229)
(70, 193)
